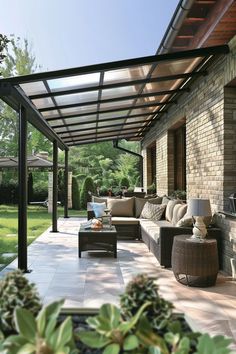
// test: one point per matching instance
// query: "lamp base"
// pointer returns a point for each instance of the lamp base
(199, 229)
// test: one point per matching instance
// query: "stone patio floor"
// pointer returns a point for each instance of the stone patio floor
(97, 278)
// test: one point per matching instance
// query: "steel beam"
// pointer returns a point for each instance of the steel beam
(66, 185)
(55, 187)
(22, 182)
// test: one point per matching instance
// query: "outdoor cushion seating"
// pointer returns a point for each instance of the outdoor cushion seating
(158, 235)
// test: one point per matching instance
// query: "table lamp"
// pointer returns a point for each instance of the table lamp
(198, 208)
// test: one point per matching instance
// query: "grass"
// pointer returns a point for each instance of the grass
(38, 221)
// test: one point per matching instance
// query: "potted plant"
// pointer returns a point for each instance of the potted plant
(143, 324)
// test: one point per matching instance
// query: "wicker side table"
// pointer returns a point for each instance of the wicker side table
(195, 263)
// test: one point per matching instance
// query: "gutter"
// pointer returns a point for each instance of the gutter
(180, 13)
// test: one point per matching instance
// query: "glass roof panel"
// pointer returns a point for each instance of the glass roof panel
(102, 124)
(79, 110)
(34, 88)
(75, 127)
(74, 82)
(113, 115)
(77, 120)
(120, 91)
(51, 114)
(160, 86)
(116, 105)
(126, 74)
(73, 134)
(43, 102)
(53, 123)
(150, 99)
(173, 67)
(77, 98)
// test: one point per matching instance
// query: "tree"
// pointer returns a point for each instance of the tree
(3, 45)
(87, 190)
(18, 61)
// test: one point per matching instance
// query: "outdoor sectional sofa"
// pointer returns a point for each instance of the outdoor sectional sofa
(133, 220)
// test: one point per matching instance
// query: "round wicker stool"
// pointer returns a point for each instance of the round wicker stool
(195, 263)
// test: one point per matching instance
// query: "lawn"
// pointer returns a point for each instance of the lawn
(38, 221)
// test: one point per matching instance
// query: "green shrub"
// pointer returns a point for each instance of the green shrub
(75, 194)
(30, 187)
(9, 193)
(124, 182)
(151, 189)
(16, 291)
(88, 188)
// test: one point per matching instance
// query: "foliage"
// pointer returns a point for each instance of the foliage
(151, 189)
(140, 290)
(75, 194)
(9, 192)
(105, 164)
(18, 61)
(3, 45)
(30, 187)
(124, 182)
(88, 188)
(16, 291)
(61, 186)
(179, 194)
(41, 334)
(111, 332)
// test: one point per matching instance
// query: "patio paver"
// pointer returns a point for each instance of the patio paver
(97, 278)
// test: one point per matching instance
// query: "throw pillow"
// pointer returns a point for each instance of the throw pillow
(185, 221)
(178, 212)
(170, 208)
(138, 206)
(121, 207)
(98, 209)
(165, 199)
(152, 211)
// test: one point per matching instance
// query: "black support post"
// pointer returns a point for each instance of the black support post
(22, 182)
(66, 185)
(55, 186)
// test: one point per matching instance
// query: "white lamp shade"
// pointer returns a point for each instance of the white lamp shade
(199, 207)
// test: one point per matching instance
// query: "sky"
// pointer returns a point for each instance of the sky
(73, 33)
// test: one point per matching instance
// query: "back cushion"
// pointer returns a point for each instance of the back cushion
(121, 207)
(99, 200)
(138, 206)
(178, 212)
(156, 200)
(170, 209)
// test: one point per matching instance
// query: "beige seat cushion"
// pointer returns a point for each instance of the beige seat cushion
(121, 207)
(178, 212)
(124, 220)
(170, 208)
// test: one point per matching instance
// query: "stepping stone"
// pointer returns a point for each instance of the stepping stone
(8, 255)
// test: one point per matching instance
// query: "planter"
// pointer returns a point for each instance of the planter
(79, 316)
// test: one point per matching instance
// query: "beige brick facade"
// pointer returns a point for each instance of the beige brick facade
(210, 113)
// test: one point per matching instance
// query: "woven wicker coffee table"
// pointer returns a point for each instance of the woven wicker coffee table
(195, 263)
(104, 239)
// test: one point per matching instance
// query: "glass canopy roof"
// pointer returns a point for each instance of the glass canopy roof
(114, 100)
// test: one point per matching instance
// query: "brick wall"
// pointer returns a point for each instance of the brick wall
(229, 144)
(210, 112)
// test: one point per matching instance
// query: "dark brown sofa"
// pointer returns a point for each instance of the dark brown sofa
(157, 235)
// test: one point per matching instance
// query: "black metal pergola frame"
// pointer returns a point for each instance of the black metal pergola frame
(96, 103)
